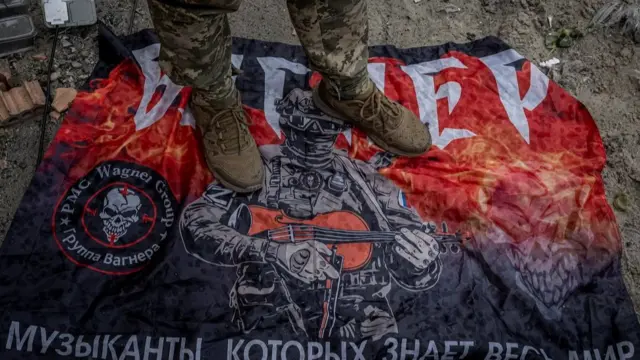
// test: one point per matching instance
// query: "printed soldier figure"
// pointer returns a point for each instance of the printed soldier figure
(196, 51)
(324, 242)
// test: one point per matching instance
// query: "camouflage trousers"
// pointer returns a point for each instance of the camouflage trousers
(196, 43)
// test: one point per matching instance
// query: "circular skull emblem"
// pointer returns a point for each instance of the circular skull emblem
(114, 219)
(119, 215)
(119, 212)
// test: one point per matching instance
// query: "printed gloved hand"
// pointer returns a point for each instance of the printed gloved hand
(377, 324)
(306, 261)
(417, 247)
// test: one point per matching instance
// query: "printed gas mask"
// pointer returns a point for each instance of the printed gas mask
(310, 134)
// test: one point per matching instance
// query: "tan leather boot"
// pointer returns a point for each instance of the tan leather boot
(390, 125)
(230, 150)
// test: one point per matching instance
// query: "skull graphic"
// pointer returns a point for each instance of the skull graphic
(550, 271)
(547, 270)
(119, 212)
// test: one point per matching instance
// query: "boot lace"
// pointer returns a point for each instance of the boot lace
(230, 129)
(382, 113)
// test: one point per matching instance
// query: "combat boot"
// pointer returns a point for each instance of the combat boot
(388, 124)
(229, 149)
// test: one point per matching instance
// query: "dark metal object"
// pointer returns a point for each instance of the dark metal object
(132, 16)
(17, 34)
(13, 7)
(47, 105)
(80, 12)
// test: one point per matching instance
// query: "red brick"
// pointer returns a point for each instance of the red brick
(35, 92)
(64, 97)
(20, 100)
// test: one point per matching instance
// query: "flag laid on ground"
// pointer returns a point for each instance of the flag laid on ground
(496, 244)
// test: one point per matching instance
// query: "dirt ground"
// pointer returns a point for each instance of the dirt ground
(600, 70)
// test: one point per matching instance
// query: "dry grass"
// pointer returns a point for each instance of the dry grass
(623, 13)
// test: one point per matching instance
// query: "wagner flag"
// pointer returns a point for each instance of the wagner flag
(497, 244)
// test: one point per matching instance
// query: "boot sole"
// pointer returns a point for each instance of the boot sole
(327, 109)
(236, 188)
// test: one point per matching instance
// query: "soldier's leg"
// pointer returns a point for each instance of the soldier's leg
(334, 34)
(196, 51)
(196, 44)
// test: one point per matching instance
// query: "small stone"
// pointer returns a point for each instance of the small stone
(621, 202)
(39, 57)
(450, 9)
(54, 116)
(3, 164)
(85, 54)
(625, 52)
(65, 43)
(55, 76)
(73, 49)
(556, 75)
(76, 65)
(635, 78)
(609, 61)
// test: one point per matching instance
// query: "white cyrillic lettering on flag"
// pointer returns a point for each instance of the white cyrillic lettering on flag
(148, 349)
(232, 351)
(46, 340)
(405, 351)
(422, 76)
(495, 352)
(83, 349)
(27, 337)
(67, 340)
(392, 349)
(153, 78)
(509, 90)
(131, 350)
(258, 343)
